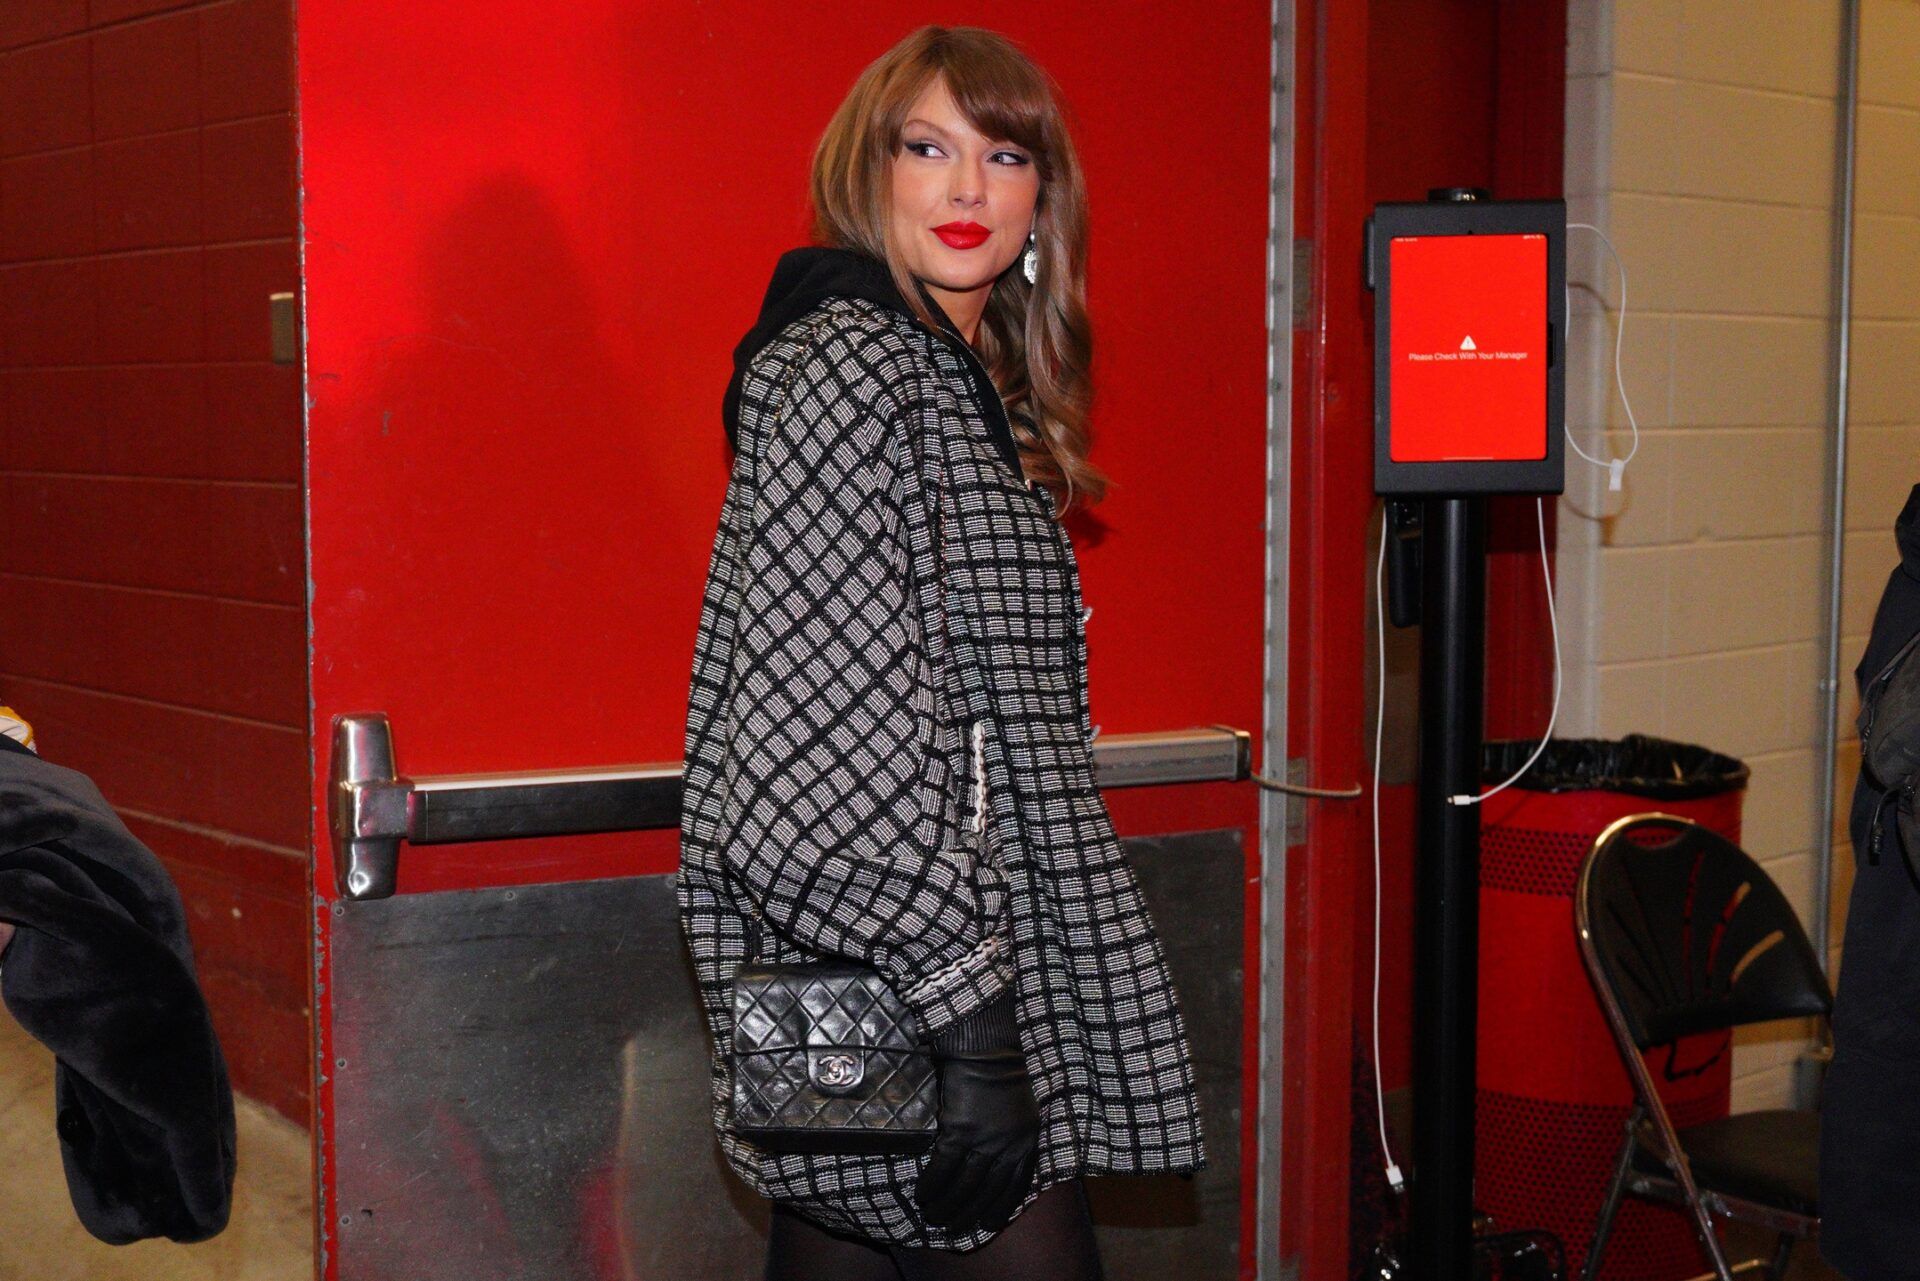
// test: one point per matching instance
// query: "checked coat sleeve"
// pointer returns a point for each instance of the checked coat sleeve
(832, 819)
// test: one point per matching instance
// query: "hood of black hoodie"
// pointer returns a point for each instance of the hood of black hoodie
(805, 276)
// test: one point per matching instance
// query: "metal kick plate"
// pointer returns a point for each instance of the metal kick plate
(521, 1087)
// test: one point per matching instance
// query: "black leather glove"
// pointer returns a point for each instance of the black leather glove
(989, 1139)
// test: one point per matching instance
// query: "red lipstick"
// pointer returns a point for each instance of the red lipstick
(962, 235)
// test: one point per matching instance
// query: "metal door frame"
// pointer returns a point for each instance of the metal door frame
(1279, 815)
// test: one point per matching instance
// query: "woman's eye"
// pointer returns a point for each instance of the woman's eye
(1009, 158)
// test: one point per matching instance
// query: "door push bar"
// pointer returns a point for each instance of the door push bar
(371, 809)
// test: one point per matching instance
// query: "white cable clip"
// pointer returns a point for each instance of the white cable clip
(1614, 469)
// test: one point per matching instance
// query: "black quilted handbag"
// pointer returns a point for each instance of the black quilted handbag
(827, 1058)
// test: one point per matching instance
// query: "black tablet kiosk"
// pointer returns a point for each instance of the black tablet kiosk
(1469, 368)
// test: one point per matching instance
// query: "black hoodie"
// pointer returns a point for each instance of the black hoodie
(805, 276)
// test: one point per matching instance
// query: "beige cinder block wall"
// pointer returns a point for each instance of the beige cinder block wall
(1702, 137)
(1883, 461)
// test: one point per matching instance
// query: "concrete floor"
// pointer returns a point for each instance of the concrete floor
(267, 1239)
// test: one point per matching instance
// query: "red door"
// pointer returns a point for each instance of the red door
(531, 236)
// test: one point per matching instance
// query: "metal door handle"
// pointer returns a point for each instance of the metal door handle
(371, 809)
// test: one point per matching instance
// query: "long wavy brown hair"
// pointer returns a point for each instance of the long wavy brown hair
(1035, 339)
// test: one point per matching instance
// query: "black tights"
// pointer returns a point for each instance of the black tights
(1050, 1240)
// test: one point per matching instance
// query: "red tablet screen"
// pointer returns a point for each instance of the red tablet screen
(1469, 336)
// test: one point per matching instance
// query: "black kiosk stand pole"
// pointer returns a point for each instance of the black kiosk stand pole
(1469, 397)
(1447, 929)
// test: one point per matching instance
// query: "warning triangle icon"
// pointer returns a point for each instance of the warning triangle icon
(1466, 344)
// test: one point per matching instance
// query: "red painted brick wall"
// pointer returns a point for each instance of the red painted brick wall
(152, 621)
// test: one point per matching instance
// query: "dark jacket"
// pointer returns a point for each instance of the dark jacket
(1870, 1106)
(101, 973)
(892, 640)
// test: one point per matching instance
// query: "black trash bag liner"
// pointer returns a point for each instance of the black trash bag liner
(1639, 765)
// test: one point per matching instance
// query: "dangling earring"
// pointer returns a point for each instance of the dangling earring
(1030, 261)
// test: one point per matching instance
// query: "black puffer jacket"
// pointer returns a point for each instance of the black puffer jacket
(1870, 1109)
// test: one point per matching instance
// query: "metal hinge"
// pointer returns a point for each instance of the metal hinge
(283, 319)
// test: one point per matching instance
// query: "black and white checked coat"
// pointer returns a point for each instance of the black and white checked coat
(831, 747)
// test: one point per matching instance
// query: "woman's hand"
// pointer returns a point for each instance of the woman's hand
(988, 1144)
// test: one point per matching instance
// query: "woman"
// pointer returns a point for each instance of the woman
(888, 748)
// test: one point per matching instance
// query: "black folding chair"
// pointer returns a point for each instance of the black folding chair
(1682, 933)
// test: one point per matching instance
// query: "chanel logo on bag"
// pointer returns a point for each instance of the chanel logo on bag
(835, 1069)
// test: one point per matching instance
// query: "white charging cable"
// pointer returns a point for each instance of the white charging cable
(1553, 622)
(1618, 465)
(1394, 1177)
(1614, 469)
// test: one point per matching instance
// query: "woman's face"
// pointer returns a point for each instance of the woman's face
(962, 203)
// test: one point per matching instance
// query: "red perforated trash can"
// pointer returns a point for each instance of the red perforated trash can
(1553, 1095)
